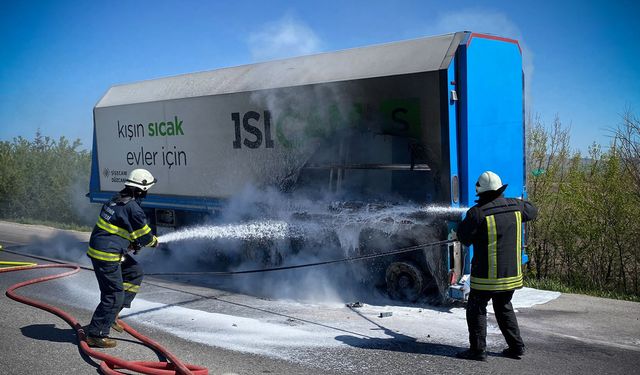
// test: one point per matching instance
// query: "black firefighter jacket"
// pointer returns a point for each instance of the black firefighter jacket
(121, 223)
(494, 228)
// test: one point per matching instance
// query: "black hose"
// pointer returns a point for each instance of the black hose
(351, 259)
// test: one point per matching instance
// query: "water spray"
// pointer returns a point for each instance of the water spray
(445, 210)
(268, 229)
(278, 229)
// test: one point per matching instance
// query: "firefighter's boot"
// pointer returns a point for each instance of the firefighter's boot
(514, 353)
(116, 326)
(101, 342)
(474, 355)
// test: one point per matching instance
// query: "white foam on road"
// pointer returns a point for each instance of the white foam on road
(227, 331)
(277, 339)
(528, 297)
(313, 326)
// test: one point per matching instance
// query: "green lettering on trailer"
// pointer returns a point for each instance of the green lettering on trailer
(169, 128)
(403, 117)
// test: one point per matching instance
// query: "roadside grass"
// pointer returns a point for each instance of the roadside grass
(53, 224)
(559, 286)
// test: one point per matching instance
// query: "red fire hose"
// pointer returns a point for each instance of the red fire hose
(110, 364)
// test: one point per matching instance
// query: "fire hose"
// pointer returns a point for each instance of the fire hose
(110, 364)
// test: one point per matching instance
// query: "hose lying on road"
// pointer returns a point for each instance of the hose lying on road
(16, 264)
(109, 364)
(174, 366)
(6, 263)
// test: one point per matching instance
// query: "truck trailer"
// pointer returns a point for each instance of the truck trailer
(411, 121)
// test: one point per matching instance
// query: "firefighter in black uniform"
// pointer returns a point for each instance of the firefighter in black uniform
(121, 227)
(494, 227)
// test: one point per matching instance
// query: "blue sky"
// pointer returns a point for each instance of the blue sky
(59, 57)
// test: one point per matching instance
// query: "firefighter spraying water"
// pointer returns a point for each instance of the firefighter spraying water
(494, 227)
(122, 227)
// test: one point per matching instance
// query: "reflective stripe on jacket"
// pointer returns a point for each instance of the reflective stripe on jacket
(494, 228)
(121, 223)
(103, 255)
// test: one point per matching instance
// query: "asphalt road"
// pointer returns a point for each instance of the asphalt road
(236, 333)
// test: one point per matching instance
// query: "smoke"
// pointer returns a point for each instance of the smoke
(64, 245)
(305, 119)
(488, 22)
(264, 228)
(84, 211)
(286, 37)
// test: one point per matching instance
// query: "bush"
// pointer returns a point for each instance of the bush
(585, 235)
(40, 179)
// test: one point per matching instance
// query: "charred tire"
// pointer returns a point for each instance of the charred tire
(405, 281)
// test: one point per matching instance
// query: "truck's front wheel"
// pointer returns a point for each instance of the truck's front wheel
(405, 281)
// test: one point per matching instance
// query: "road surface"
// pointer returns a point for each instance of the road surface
(239, 333)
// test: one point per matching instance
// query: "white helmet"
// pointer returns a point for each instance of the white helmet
(140, 178)
(489, 181)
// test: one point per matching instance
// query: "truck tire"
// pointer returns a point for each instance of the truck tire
(405, 281)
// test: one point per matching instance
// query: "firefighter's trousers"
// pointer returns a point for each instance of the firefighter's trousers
(506, 317)
(119, 282)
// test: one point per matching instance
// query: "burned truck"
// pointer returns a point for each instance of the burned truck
(410, 123)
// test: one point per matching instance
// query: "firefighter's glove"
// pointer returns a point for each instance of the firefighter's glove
(135, 247)
(154, 242)
(453, 235)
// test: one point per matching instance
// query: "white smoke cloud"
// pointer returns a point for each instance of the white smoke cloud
(488, 22)
(264, 228)
(286, 37)
(85, 211)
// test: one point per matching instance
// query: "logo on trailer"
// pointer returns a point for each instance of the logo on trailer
(105, 172)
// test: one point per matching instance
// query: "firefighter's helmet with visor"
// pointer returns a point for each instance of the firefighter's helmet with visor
(140, 178)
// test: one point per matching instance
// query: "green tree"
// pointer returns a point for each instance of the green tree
(586, 232)
(38, 177)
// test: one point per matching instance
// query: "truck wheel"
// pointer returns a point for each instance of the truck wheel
(405, 281)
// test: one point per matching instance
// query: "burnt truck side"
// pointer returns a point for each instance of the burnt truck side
(413, 121)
